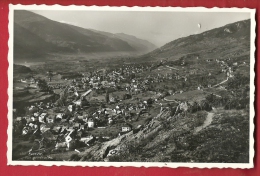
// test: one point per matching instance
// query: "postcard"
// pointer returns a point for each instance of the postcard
(131, 86)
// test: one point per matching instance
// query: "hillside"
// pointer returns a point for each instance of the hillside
(35, 35)
(20, 69)
(186, 139)
(217, 42)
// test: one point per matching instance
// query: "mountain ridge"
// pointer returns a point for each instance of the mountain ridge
(224, 35)
(62, 37)
(138, 44)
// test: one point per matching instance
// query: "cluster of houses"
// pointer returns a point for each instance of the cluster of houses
(73, 120)
(225, 68)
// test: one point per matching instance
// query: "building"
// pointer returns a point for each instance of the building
(33, 118)
(50, 119)
(42, 117)
(18, 119)
(91, 123)
(59, 115)
(126, 127)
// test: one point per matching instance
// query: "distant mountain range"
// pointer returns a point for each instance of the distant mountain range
(36, 36)
(220, 42)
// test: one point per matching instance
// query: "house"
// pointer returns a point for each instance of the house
(33, 118)
(91, 123)
(87, 139)
(104, 83)
(59, 115)
(44, 128)
(78, 102)
(36, 114)
(126, 127)
(28, 119)
(25, 131)
(18, 119)
(82, 127)
(42, 117)
(85, 119)
(31, 125)
(50, 119)
(56, 129)
(70, 108)
(81, 118)
(112, 99)
(61, 145)
(77, 125)
(71, 121)
(110, 120)
(229, 74)
(32, 80)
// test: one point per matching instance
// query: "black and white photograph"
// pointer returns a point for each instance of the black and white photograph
(131, 86)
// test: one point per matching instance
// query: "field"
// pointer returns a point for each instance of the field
(196, 95)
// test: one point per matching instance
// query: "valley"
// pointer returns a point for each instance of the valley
(187, 101)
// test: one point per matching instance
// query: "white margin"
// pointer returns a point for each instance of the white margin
(134, 164)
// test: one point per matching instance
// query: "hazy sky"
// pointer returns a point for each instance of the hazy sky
(156, 27)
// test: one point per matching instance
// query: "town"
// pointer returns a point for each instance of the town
(125, 94)
(101, 105)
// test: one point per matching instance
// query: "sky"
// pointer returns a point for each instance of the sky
(156, 27)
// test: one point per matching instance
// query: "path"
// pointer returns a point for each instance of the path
(172, 67)
(220, 83)
(206, 123)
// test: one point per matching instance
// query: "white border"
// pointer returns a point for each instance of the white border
(135, 164)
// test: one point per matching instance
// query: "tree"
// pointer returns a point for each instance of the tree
(42, 84)
(210, 98)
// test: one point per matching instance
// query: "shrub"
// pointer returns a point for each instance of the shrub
(200, 118)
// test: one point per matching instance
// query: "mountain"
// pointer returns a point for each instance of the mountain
(35, 35)
(217, 42)
(140, 45)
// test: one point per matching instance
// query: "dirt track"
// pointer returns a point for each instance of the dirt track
(220, 83)
(206, 123)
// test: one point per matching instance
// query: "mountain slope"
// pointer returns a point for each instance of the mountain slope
(235, 35)
(140, 45)
(64, 35)
(35, 35)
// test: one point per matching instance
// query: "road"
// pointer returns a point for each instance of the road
(206, 123)
(221, 83)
